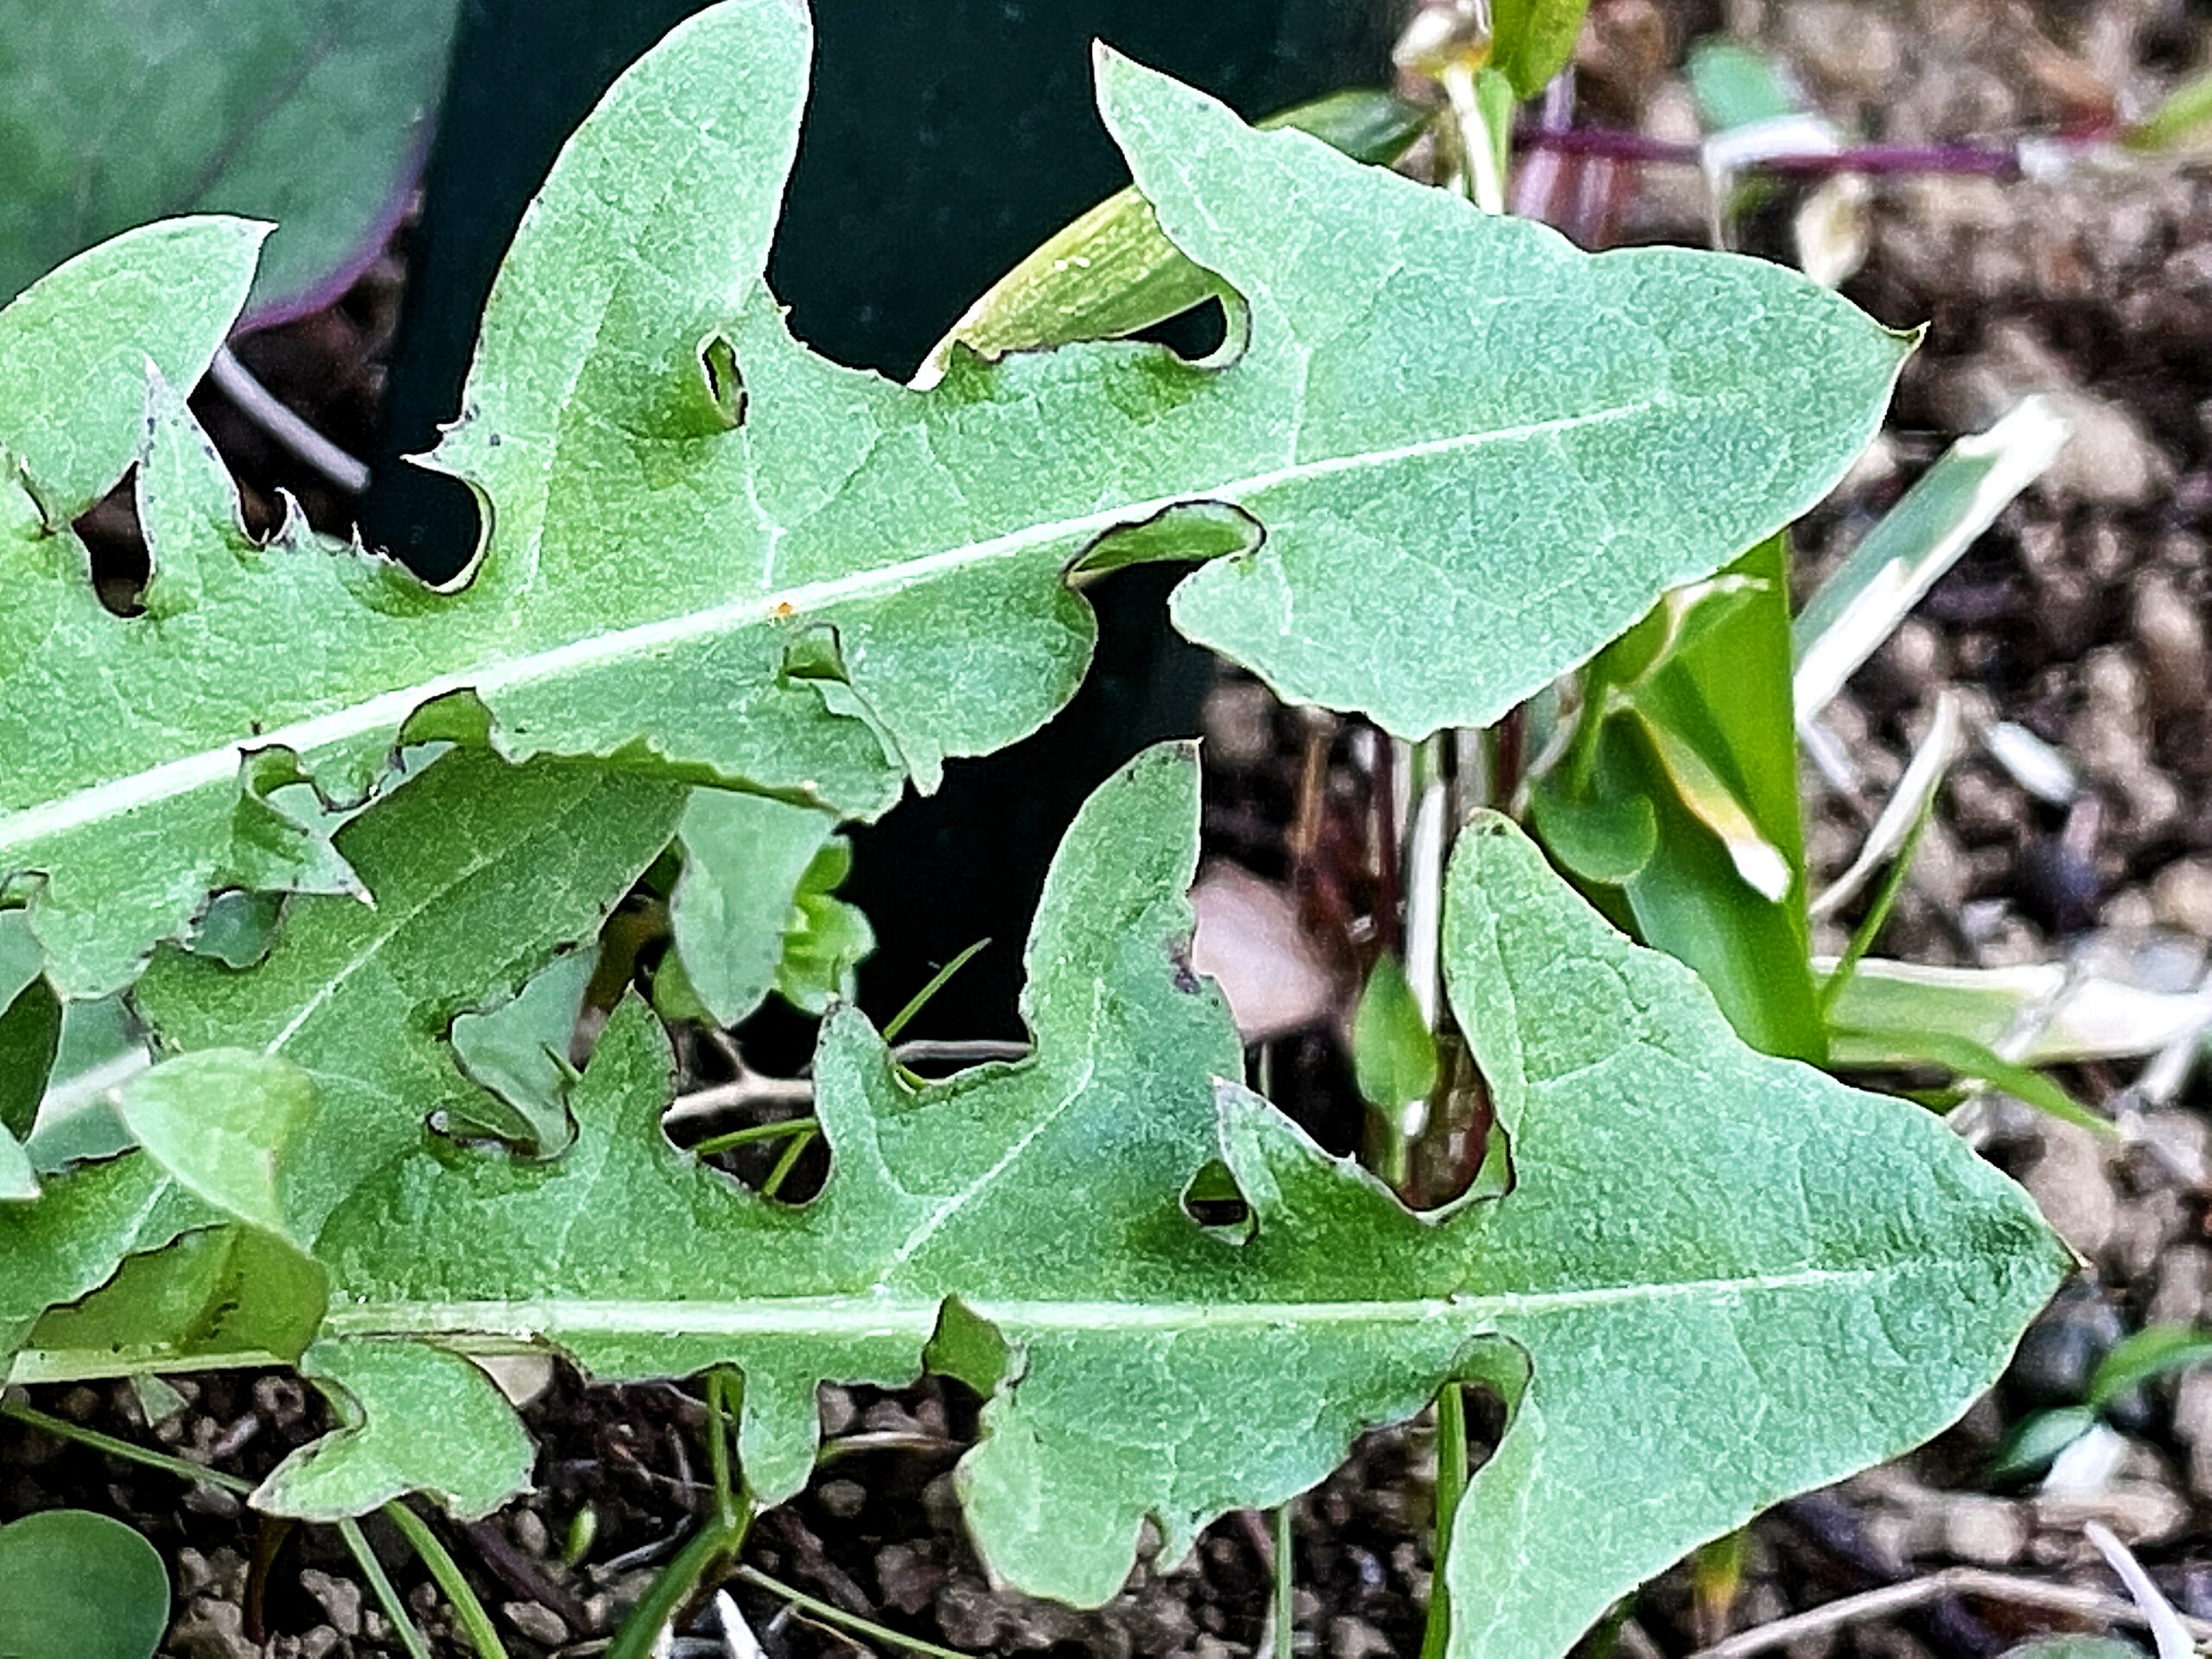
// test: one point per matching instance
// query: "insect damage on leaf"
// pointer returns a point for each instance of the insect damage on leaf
(711, 551)
(713, 560)
(1724, 1250)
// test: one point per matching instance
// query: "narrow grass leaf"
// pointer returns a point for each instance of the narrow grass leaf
(1113, 272)
(1917, 540)
(2155, 1351)
(1908, 805)
(2080, 1016)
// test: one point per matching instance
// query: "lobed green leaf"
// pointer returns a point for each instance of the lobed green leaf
(710, 553)
(1773, 1278)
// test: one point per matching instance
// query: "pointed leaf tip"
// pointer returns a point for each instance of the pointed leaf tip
(1778, 1250)
(74, 343)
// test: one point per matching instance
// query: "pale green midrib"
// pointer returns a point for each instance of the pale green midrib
(559, 1318)
(36, 1365)
(385, 711)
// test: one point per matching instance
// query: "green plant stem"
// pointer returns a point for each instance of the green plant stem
(1285, 1575)
(1485, 179)
(381, 1586)
(758, 1132)
(839, 1618)
(719, 1382)
(786, 1164)
(475, 1623)
(1429, 834)
(62, 1429)
(920, 999)
(1451, 1487)
(705, 1556)
(1878, 914)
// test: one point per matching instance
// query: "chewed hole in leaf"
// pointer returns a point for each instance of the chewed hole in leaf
(429, 523)
(725, 382)
(1214, 1202)
(1489, 1410)
(814, 653)
(116, 547)
(239, 927)
(525, 1051)
(1212, 334)
(1200, 335)
(773, 1148)
(1192, 530)
(1464, 1154)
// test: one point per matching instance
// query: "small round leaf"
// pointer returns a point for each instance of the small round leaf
(78, 1586)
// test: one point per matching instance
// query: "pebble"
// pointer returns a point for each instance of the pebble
(1240, 724)
(892, 1417)
(320, 1642)
(80, 1405)
(1941, 869)
(2111, 461)
(2065, 1344)
(2178, 1297)
(908, 1578)
(2059, 886)
(2071, 1187)
(522, 1377)
(1891, 1532)
(539, 1622)
(1914, 653)
(212, 1629)
(1162, 1622)
(1249, 940)
(843, 1498)
(528, 1529)
(219, 1503)
(1984, 1531)
(2129, 911)
(2193, 1428)
(968, 1614)
(193, 1573)
(2105, 553)
(941, 1504)
(1355, 1638)
(282, 1400)
(2147, 1223)
(1879, 1640)
(2109, 734)
(1983, 808)
(2138, 1512)
(2181, 896)
(2112, 682)
(340, 1599)
(2170, 630)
